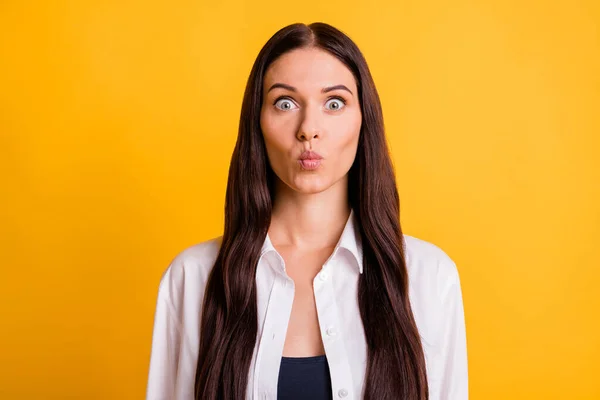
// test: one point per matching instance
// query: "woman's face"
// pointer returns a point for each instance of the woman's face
(310, 104)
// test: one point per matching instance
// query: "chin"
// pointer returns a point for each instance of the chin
(310, 190)
(311, 185)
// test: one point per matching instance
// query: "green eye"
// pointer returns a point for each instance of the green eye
(335, 104)
(284, 104)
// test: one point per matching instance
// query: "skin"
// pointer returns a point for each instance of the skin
(311, 207)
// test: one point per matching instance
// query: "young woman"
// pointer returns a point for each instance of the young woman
(313, 291)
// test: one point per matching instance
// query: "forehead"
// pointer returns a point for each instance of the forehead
(309, 68)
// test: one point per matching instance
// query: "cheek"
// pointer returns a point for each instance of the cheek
(346, 145)
(348, 132)
(276, 125)
(278, 141)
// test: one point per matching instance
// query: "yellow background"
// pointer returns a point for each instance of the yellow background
(117, 122)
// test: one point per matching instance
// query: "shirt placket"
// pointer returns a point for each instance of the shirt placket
(270, 349)
(328, 314)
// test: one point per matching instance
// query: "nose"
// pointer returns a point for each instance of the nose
(310, 126)
(307, 135)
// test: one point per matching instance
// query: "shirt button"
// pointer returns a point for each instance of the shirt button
(331, 331)
(342, 393)
(323, 275)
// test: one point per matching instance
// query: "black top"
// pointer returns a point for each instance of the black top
(302, 378)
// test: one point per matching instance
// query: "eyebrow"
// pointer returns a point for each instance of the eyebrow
(324, 90)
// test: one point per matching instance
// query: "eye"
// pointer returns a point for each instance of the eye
(335, 104)
(285, 104)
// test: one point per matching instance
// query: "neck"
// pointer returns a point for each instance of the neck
(309, 220)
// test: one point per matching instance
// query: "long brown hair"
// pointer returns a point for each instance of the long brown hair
(396, 364)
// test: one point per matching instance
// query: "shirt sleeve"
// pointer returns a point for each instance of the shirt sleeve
(454, 383)
(164, 355)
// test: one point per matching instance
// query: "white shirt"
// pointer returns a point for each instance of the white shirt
(434, 292)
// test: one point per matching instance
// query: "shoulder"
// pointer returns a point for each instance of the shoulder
(188, 271)
(429, 267)
(434, 289)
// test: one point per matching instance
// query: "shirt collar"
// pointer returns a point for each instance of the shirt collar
(349, 240)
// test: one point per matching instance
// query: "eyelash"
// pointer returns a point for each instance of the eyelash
(331, 98)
